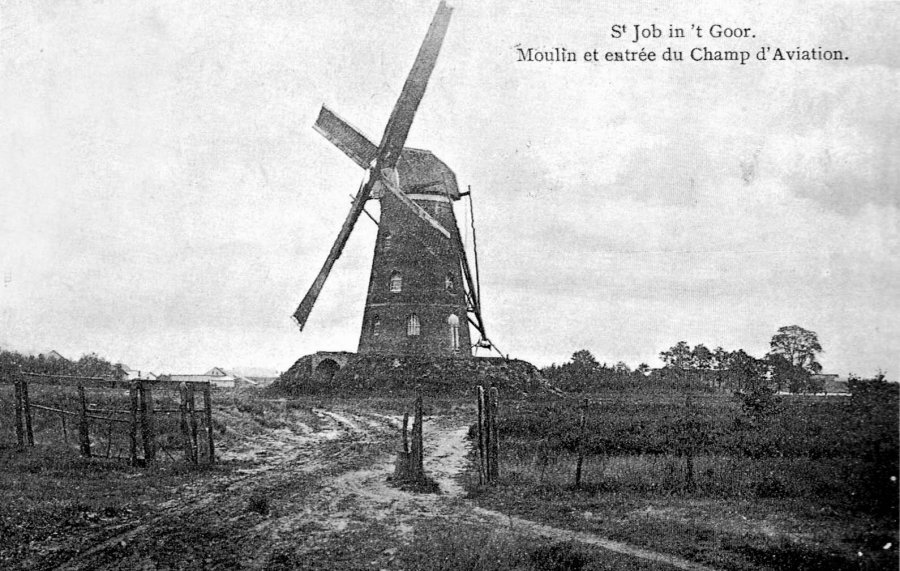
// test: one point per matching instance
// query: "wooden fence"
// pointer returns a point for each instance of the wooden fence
(140, 417)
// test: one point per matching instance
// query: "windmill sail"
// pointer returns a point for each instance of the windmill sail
(356, 146)
(402, 116)
(309, 299)
(389, 150)
(346, 137)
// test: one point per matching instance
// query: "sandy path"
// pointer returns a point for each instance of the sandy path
(446, 460)
(315, 499)
(363, 496)
(359, 497)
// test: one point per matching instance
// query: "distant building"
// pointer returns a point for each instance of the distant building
(828, 384)
(832, 384)
(134, 374)
(216, 377)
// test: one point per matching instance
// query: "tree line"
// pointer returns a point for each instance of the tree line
(89, 365)
(790, 365)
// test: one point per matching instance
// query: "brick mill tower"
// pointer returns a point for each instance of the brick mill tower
(422, 295)
(416, 304)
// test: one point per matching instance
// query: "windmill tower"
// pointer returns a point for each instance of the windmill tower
(421, 295)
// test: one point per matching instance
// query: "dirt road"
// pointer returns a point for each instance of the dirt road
(309, 497)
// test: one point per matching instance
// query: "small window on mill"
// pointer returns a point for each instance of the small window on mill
(449, 283)
(376, 326)
(396, 282)
(453, 322)
(412, 325)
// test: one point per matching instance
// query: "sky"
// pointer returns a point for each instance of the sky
(165, 202)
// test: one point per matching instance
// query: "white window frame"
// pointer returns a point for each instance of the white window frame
(453, 322)
(413, 326)
(396, 282)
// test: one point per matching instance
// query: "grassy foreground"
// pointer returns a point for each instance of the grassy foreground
(807, 485)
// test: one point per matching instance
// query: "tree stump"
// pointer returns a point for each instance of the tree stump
(410, 467)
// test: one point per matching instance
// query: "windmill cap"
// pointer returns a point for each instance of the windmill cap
(421, 172)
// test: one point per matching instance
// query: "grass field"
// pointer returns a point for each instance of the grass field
(52, 493)
(301, 485)
(809, 485)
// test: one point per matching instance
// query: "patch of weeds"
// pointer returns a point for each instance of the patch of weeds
(219, 426)
(252, 407)
(769, 487)
(794, 557)
(369, 546)
(269, 419)
(593, 488)
(285, 558)
(112, 511)
(444, 546)
(426, 486)
(183, 468)
(259, 503)
(560, 556)
(186, 541)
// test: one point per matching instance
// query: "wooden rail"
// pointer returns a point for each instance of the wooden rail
(95, 382)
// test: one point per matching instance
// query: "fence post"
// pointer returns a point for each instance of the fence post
(580, 445)
(494, 455)
(417, 467)
(84, 438)
(148, 423)
(109, 430)
(26, 408)
(192, 410)
(133, 427)
(481, 437)
(207, 406)
(405, 436)
(183, 421)
(486, 433)
(20, 423)
(62, 420)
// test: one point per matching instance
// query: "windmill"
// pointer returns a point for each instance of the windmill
(422, 294)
